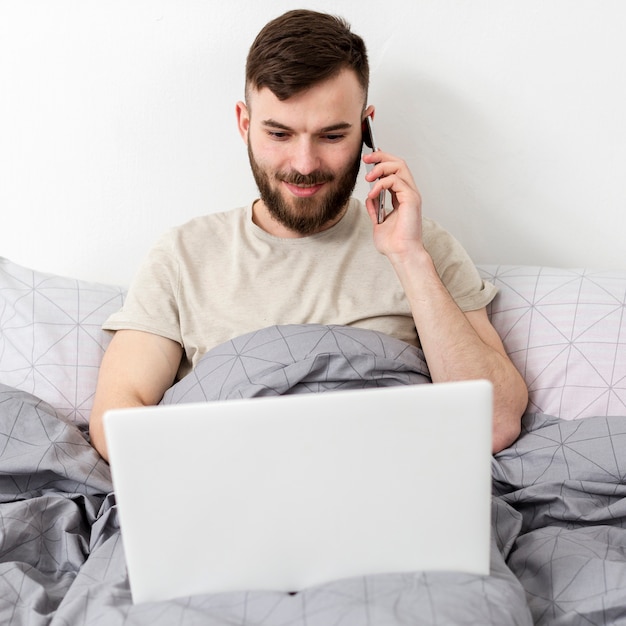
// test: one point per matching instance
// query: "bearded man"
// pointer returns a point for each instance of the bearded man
(305, 251)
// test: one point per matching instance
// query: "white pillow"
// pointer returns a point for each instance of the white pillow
(51, 343)
(565, 330)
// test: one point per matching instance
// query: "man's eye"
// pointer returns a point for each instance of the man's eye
(333, 137)
(277, 134)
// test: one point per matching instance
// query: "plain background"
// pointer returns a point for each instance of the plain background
(117, 121)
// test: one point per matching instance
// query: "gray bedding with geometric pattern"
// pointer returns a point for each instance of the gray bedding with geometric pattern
(558, 512)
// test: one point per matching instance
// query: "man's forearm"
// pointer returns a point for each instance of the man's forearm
(460, 346)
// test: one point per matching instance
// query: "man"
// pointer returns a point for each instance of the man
(305, 252)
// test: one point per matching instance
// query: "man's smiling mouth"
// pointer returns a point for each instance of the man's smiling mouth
(303, 191)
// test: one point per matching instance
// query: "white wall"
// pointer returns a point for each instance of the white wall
(117, 121)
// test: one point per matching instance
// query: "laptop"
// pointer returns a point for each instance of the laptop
(289, 492)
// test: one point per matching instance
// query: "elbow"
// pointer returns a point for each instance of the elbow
(96, 435)
(507, 424)
(506, 435)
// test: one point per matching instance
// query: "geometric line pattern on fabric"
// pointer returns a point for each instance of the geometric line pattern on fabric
(567, 480)
(565, 330)
(300, 358)
(51, 341)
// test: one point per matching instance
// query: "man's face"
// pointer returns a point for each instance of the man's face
(305, 151)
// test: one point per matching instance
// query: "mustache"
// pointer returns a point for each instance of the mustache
(314, 178)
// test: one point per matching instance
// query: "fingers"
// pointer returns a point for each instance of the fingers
(389, 183)
(399, 182)
(382, 165)
(388, 172)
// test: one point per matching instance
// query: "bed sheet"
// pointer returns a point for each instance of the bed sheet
(557, 516)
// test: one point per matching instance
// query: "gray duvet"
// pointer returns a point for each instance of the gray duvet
(559, 510)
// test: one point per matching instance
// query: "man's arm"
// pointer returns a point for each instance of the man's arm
(457, 345)
(136, 370)
(460, 346)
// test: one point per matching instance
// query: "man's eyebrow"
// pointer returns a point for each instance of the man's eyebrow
(274, 124)
(335, 127)
(327, 129)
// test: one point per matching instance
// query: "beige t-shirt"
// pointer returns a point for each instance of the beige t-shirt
(220, 276)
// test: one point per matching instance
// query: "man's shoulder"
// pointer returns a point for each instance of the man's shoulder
(211, 220)
(207, 227)
(430, 225)
(433, 232)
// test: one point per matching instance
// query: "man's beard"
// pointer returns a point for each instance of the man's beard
(305, 216)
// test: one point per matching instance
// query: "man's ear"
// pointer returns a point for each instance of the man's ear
(243, 120)
(369, 111)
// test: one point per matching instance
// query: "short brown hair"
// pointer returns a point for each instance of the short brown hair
(302, 48)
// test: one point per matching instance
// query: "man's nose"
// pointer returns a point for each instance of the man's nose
(306, 157)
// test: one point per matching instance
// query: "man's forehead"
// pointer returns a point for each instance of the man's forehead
(341, 92)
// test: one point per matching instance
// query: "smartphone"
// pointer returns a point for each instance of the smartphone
(370, 143)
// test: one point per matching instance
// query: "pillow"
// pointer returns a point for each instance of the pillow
(565, 330)
(51, 341)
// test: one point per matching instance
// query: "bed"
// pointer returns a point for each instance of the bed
(558, 506)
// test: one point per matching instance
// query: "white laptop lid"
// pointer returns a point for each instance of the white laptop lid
(288, 492)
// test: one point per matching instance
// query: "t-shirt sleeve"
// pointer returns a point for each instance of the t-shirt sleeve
(456, 269)
(151, 304)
